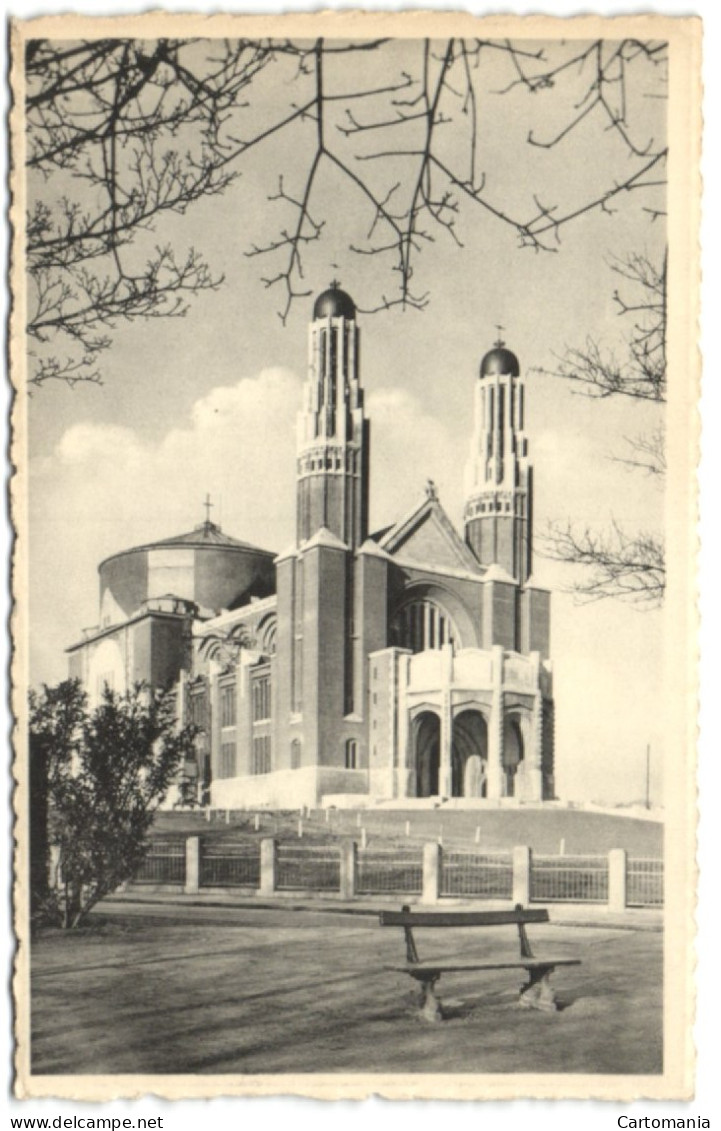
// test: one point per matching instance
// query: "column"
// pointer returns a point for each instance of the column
(400, 774)
(495, 729)
(534, 755)
(213, 725)
(445, 778)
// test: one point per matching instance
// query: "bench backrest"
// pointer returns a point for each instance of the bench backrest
(408, 919)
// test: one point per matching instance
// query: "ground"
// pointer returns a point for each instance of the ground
(582, 831)
(250, 990)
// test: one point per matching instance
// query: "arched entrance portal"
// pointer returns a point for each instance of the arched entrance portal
(512, 754)
(427, 744)
(469, 755)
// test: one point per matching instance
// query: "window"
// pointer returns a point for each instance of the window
(196, 708)
(227, 705)
(269, 636)
(295, 754)
(421, 624)
(260, 757)
(351, 754)
(226, 768)
(261, 698)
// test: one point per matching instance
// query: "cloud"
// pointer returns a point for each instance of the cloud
(104, 489)
(408, 447)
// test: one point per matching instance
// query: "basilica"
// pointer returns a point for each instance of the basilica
(356, 666)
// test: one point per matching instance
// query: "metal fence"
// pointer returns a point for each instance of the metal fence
(164, 863)
(314, 867)
(576, 879)
(389, 870)
(229, 864)
(399, 871)
(644, 883)
(477, 873)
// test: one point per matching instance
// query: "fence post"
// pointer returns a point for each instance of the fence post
(522, 863)
(432, 863)
(617, 879)
(268, 858)
(55, 879)
(348, 868)
(192, 865)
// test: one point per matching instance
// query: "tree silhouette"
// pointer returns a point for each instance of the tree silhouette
(105, 771)
(616, 563)
(122, 133)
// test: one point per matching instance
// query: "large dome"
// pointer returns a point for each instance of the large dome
(333, 303)
(204, 566)
(499, 362)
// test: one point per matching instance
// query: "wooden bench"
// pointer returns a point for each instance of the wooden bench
(537, 993)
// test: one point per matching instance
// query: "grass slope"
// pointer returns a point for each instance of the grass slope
(583, 833)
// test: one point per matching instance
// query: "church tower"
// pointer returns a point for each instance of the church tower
(499, 489)
(333, 434)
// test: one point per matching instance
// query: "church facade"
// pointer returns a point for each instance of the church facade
(410, 662)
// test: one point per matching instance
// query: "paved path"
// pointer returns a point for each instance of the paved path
(178, 987)
(223, 903)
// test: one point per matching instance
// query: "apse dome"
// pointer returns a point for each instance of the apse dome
(333, 303)
(499, 362)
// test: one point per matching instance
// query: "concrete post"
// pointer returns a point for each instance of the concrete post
(54, 868)
(192, 865)
(522, 861)
(617, 879)
(268, 860)
(432, 864)
(348, 868)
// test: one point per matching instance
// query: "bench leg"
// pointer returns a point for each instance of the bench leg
(538, 993)
(430, 1002)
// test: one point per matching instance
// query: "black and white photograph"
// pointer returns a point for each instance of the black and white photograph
(354, 430)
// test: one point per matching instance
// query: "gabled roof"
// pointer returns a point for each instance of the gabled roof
(427, 536)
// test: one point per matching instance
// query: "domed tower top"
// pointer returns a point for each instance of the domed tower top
(500, 362)
(333, 303)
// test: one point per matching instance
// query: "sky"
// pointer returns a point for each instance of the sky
(207, 403)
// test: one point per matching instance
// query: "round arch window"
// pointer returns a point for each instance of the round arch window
(421, 624)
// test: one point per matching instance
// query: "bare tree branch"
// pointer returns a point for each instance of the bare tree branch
(641, 373)
(124, 133)
(616, 564)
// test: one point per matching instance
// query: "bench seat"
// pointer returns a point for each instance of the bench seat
(449, 966)
(537, 993)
